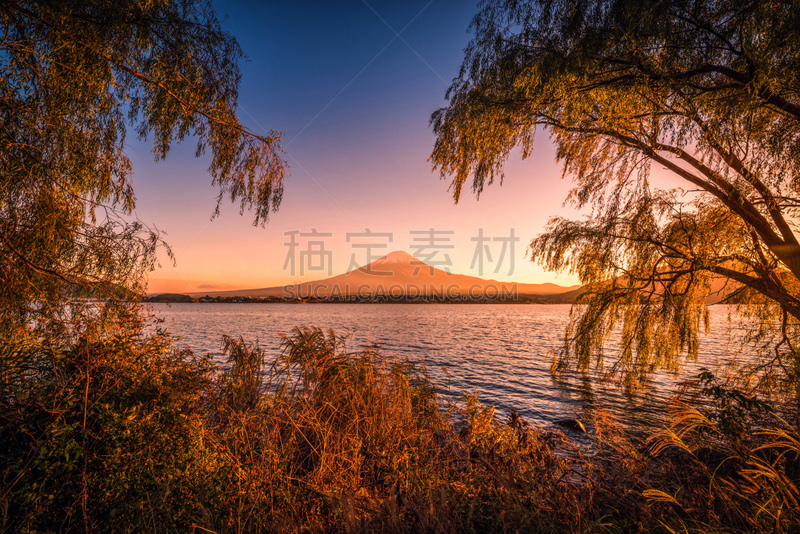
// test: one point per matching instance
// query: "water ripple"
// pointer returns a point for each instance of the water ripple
(502, 351)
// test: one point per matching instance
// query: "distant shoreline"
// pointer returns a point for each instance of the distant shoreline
(172, 298)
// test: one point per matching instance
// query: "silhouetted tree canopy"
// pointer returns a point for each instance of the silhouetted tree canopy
(74, 78)
(708, 91)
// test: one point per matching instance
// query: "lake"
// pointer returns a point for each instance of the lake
(502, 351)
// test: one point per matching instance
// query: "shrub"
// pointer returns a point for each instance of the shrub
(117, 432)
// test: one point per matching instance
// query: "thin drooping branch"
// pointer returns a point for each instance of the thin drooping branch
(716, 185)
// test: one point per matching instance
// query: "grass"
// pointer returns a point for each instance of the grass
(125, 433)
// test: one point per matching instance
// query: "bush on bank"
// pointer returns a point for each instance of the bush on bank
(123, 432)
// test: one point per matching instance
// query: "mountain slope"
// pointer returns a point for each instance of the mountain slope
(397, 274)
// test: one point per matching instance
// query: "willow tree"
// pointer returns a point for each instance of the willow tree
(709, 92)
(75, 77)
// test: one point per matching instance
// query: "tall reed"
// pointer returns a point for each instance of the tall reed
(125, 433)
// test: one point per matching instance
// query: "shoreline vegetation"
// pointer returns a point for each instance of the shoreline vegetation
(123, 432)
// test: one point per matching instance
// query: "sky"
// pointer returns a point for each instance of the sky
(351, 85)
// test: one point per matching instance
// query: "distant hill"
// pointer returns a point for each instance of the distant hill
(401, 275)
(171, 297)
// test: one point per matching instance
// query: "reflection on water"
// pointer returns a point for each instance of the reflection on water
(502, 351)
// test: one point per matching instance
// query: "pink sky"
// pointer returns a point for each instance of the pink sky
(353, 100)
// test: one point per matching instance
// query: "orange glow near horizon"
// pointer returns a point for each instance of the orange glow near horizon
(354, 104)
(229, 253)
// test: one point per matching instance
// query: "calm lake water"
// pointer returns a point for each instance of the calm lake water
(502, 351)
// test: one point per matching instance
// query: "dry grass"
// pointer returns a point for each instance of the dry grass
(355, 441)
(132, 436)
